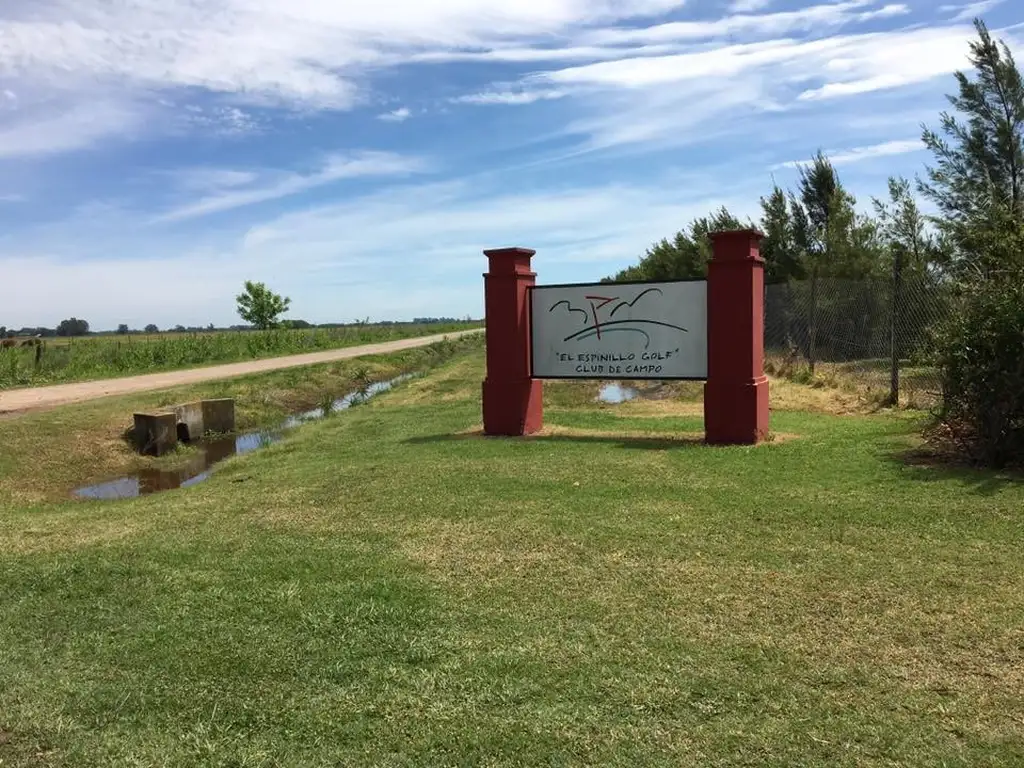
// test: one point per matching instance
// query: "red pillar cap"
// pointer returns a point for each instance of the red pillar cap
(726, 233)
(736, 244)
(514, 251)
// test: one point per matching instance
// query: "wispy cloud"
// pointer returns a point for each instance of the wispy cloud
(814, 17)
(399, 115)
(970, 10)
(295, 54)
(235, 189)
(34, 132)
(12, 198)
(655, 101)
(510, 97)
(860, 154)
(746, 6)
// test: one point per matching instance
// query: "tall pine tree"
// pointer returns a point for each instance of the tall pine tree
(977, 181)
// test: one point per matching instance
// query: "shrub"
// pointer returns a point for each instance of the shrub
(981, 361)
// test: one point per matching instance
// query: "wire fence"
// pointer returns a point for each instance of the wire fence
(870, 334)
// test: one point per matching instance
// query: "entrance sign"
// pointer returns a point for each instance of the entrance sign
(711, 330)
(620, 330)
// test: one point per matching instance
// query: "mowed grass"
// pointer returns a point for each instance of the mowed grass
(389, 588)
(98, 357)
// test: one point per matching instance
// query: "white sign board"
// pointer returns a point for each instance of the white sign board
(620, 330)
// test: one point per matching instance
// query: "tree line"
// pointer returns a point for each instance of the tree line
(972, 248)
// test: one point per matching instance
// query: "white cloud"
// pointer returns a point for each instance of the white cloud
(747, 6)
(207, 179)
(811, 18)
(44, 131)
(970, 10)
(510, 97)
(519, 54)
(12, 198)
(396, 115)
(859, 154)
(230, 189)
(656, 101)
(302, 53)
(220, 121)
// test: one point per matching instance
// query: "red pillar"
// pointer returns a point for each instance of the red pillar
(736, 393)
(512, 400)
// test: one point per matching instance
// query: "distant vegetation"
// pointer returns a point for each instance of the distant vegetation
(97, 357)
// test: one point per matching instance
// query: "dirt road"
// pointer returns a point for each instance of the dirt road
(37, 398)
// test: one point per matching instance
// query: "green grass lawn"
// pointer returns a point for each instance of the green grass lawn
(388, 588)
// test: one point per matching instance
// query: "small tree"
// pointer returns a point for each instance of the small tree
(152, 328)
(260, 307)
(122, 329)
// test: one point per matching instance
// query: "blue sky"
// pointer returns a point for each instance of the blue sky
(358, 156)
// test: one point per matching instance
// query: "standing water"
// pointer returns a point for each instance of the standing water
(615, 393)
(212, 452)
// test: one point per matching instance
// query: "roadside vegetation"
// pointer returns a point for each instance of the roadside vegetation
(82, 359)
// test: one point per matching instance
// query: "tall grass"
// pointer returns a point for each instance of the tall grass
(102, 357)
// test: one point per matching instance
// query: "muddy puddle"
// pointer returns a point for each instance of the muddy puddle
(212, 452)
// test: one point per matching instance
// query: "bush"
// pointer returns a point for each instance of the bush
(981, 360)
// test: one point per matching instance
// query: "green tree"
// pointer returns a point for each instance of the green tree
(783, 264)
(260, 307)
(683, 257)
(910, 248)
(72, 327)
(977, 181)
(822, 233)
(152, 328)
(782, 258)
(123, 329)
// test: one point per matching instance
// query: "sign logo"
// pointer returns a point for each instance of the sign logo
(595, 325)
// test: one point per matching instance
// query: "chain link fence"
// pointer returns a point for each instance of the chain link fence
(870, 335)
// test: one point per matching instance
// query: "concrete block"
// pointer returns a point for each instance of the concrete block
(156, 433)
(219, 416)
(190, 421)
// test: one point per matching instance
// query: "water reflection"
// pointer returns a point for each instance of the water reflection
(615, 393)
(212, 452)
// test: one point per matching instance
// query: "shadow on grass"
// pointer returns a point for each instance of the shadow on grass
(926, 464)
(629, 441)
(633, 442)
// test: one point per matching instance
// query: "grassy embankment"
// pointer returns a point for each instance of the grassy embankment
(83, 359)
(386, 587)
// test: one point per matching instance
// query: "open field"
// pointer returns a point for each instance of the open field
(98, 357)
(386, 587)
